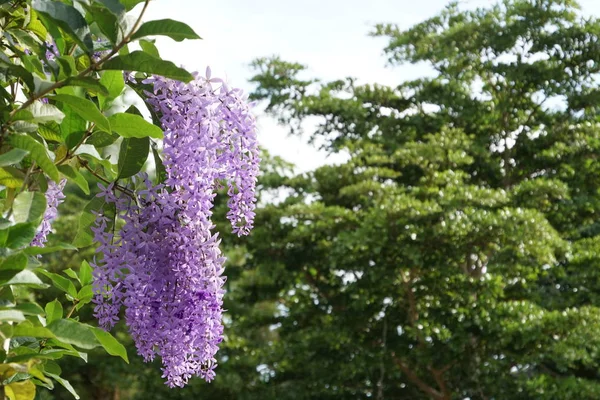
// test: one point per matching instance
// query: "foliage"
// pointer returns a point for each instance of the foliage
(455, 254)
(62, 66)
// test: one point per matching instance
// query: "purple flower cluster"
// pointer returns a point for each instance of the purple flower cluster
(210, 136)
(164, 265)
(54, 196)
(172, 287)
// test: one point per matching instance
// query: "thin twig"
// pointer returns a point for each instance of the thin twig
(69, 153)
(71, 310)
(103, 179)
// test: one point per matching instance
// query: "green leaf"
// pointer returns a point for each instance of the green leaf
(46, 354)
(67, 66)
(86, 109)
(19, 72)
(84, 236)
(24, 126)
(176, 30)
(129, 4)
(12, 157)
(72, 350)
(11, 177)
(60, 282)
(149, 47)
(18, 377)
(85, 273)
(114, 83)
(42, 113)
(75, 176)
(27, 329)
(4, 235)
(124, 50)
(54, 311)
(20, 235)
(22, 390)
(5, 223)
(51, 132)
(73, 127)
(11, 315)
(144, 62)
(52, 368)
(68, 19)
(89, 83)
(75, 333)
(17, 262)
(9, 268)
(6, 331)
(42, 379)
(36, 26)
(34, 65)
(26, 278)
(23, 115)
(64, 383)
(29, 309)
(106, 21)
(110, 344)
(132, 156)
(38, 153)
(29, 206)
(71, 274)
(85, 294)
(101, 139)
(114, 6)
(134, 126)
(161, 172)
(83, 62)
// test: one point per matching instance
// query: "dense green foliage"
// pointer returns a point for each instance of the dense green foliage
(62, 66)
(455, 255)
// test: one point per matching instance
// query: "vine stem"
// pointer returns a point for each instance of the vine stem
(71, 311)
(103, 179)
(69, 153)
(93, 66)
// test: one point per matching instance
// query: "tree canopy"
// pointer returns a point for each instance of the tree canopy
(455, 254)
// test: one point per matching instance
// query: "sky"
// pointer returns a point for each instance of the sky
(329, 36)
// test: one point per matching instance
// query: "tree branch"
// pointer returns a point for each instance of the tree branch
(414, 378)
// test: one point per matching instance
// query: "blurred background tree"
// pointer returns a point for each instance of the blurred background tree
(454, 255)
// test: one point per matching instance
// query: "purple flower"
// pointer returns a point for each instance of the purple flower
(164, 266)
(97, 55)
(51, 51)
(129, 77)
(54, 196)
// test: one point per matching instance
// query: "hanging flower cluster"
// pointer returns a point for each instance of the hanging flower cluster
(54, 196)
(164, 265)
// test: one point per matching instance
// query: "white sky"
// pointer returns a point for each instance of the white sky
(329, 36)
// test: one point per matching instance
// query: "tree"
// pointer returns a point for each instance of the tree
(455, 254)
